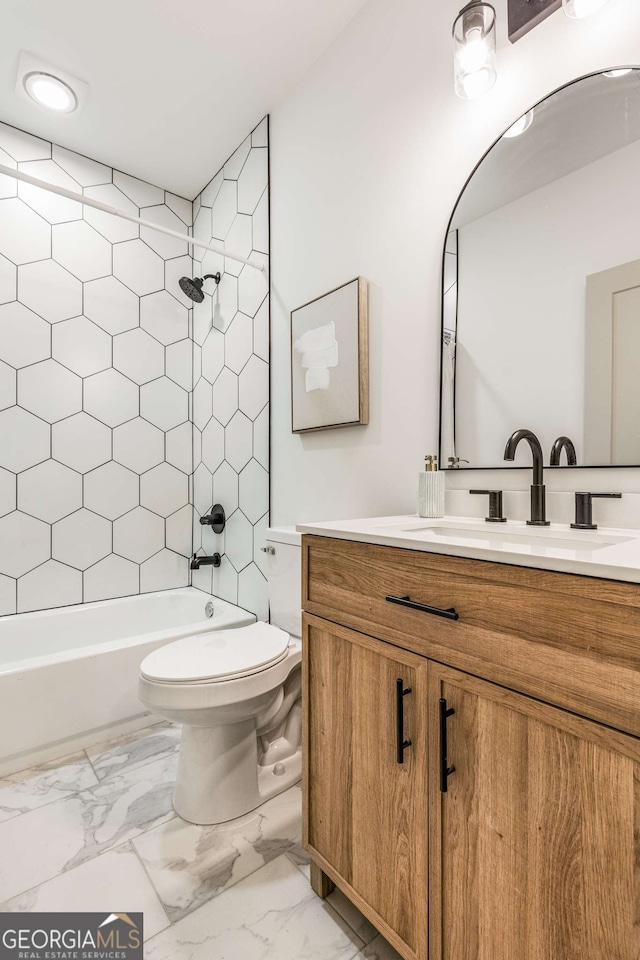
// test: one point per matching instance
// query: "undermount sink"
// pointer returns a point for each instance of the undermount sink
(503, 537)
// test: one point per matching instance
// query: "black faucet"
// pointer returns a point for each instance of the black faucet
(538, 496)
(198, 562)
(563, 443)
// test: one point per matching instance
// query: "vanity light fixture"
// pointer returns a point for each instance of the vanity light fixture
(579, 9)
(519, 126)
(474, 50)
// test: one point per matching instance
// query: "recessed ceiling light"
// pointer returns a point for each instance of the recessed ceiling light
(50, 92)
(618, 73)
(519, 126)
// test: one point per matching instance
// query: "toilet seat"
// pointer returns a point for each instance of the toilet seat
(217, 656)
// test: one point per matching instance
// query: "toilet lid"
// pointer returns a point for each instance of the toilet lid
(217, 655)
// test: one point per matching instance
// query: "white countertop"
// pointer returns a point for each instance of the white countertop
(605, 552)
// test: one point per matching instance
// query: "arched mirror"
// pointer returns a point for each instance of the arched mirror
(541, 293)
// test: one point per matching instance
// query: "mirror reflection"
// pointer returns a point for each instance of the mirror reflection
(541, 311)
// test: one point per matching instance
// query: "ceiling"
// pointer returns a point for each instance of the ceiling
(174, 87)
(571, 129)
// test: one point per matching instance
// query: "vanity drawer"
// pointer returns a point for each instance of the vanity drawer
(569, 640)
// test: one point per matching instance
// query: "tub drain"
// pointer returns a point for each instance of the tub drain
(209, 609)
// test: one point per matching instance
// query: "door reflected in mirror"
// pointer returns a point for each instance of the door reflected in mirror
(541, 302)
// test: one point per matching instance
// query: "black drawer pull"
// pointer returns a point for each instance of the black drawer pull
(401, 743)
(449, 614)
(445, 769)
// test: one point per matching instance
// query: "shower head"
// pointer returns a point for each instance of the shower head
(193, 288)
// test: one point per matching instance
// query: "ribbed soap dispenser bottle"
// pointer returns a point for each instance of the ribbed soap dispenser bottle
(431, 489)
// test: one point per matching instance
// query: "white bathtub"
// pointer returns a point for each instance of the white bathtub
(69, 677)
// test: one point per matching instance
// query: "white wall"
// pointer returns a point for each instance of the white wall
(369, 153)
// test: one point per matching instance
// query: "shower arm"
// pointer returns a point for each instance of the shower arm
(105, 208)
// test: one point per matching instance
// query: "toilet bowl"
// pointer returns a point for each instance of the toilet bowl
(237, 694)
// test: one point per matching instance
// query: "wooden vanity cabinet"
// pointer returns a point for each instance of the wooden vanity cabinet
(511, 831)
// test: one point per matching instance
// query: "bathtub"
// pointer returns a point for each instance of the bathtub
(69, 676)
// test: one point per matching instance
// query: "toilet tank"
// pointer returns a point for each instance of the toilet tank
(284, 572)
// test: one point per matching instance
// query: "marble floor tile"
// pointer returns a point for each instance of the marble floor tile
(271, 915)
(189, 864)
(45, 783)
(55, 838)
(379, 949)
(115, 881)
(134, 749)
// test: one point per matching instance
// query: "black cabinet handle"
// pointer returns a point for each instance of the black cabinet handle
(401, 743)
(449, 614)
(445, 769)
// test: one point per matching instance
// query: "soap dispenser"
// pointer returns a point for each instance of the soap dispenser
(431, 489)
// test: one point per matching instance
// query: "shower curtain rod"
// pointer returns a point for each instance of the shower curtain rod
(105, 208)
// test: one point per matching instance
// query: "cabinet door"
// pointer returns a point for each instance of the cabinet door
(365, 812)
(536, 843)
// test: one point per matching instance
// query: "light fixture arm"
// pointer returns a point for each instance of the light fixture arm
(105, 208)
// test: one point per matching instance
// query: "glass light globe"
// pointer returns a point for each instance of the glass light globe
(474, 46)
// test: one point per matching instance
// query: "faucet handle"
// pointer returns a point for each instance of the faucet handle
(584, 509)
(495, 505)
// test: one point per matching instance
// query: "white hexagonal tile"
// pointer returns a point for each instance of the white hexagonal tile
(111, 398)
(165, 571)
(224, 582)
(8, 280)
(237, 160)
(254, 387)
(225, 301)
(253, 594)
(49, 390)
(225, 487)
(111, 305)
(202, 403)
(23, 146)
(164, 403)
(138, 535)
(81, 539)
(239, 540)
(112, 228)
(50, 585)
(24, 337)
(202, 229)
(213, 356)
(261, 331)
(253, 285)
(24, 439)
(81, 250)
(238, 345)
(239, 242)
(212, 263)
(138, 355)
(261, 438)
(163, 317)
(254, 491)
(49, 491)
(112, 577)
(8, 185)
(260, 225)
(212, 189)
(253, 179)
(197, 445)
(7, 596)
(164, 246)
(179, 531)
(138, 267)
(213, 445)
(49, 290)
(224, 210)
(138, 445)
(238, 441)
(82, 346)
(225, 396)
(86, 172)
(7, 492)
(173, 271)
(24, 236)
(260, 136)
(142, 193)
(7, 386)
(24, 544)
(202, 489)
(179, 447)
(164, 489)
(181, 207)
(53, 208)
(179, 363)
(202, 319)
(111, 490)
(81, 442)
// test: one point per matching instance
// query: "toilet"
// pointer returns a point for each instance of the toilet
(237, 694)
